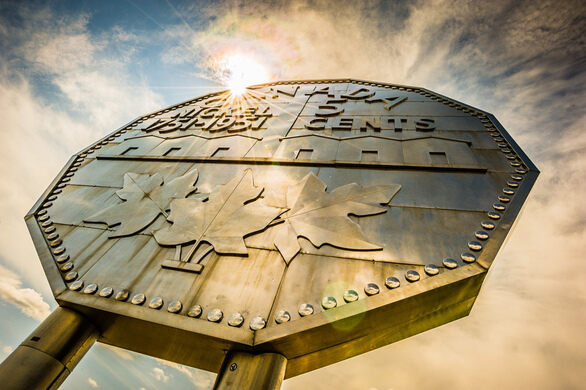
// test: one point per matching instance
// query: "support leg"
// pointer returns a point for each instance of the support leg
(243, 370)
(48, 355)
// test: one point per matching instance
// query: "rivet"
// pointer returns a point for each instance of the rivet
(350, 295)
(474, 245)
(42, 212)
(505, 150)
(59, 250)
(52, 197)
(61, 185)
(195, 311)
(77, 164)
(504, 198)
(305, 309)
(510, 156)
(508, 191)
(138, 299)
(104, 142)
(371, 289)
(468, 257)
(215, 315)
(392, 282)
(62, 258)
(328, 302)
(90, 289)
(517, 177)
(431, 269)
(71, 276)
(52, 236)
(515, 164)
(513, 184)
(65, 179)
(481, 235)
(50, 229)
(77, 285)
(122, 295)
(106, 292)
(493, 215)
(66, 267)
(235, 320)
(257, 323)
(499, 139)
(521, 171)
(282, 316)
(43, 218)
(69, 174)
(46, 223)
(46, 205)
(498, 207)
(56, 242)
(175, 307)
(412, 276)
(156, 303)
(450, 263)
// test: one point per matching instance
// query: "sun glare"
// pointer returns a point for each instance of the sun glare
(241, 71)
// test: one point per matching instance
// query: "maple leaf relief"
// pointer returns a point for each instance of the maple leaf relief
(322, 217)
(144, 197)
(231, 212)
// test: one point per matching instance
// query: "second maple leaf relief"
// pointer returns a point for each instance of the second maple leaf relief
(221, 220)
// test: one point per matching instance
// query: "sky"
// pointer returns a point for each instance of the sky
(73, 71)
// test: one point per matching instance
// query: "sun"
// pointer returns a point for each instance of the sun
(241, 70)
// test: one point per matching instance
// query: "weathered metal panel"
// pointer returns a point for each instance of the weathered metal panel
(318, 220)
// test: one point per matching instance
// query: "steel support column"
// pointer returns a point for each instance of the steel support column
(243, 370)
(49, 353)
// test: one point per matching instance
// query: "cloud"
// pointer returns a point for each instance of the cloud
(92, 383)
(159, 375)
(120, 352)
(29, 301)
(199, 378)
(524, 61)
(61, 88)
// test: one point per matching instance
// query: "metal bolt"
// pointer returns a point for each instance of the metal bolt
(233, 367)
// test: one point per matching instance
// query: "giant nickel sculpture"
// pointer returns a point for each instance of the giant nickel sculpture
(265, 235)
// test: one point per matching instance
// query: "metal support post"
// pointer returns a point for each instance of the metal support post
(243, 370)
(48, 355)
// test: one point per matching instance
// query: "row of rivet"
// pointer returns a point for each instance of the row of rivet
(504, 147)
(46, 224)
(214, 315)
(450, 103)
(495, 215)
(104, 142)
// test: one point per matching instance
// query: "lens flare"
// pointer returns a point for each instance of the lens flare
(241, 71)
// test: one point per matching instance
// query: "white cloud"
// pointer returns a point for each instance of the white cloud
(29, 301)
(92, 383)
(200, 379)
(159, 375)
(120, 352)
(89, 90)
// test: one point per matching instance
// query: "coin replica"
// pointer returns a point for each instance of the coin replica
(265, 235)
